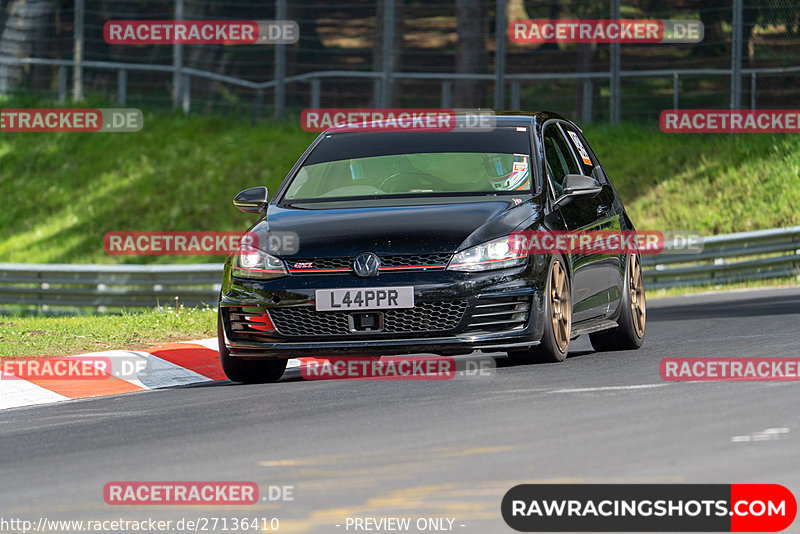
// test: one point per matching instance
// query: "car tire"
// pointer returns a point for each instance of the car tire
(629, 335)
(557, 333)
(247, 371)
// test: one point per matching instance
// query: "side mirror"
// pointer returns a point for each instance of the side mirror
(578, 186)
(253, 200)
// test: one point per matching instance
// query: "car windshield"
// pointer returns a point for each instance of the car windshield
(405, 164)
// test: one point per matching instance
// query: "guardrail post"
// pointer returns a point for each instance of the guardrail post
(675, 89)
(177, 62)
(77, 72)
(516, 105)
(316, 93)
(280, 66)
(447, 94)
(500, 55)
(122, 86)
(62, 84)
(753, 82)
(186, 87)
(614, 101)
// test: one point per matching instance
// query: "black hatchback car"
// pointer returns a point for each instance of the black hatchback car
(403, 248)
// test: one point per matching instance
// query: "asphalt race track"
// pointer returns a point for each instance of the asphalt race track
(431, 448)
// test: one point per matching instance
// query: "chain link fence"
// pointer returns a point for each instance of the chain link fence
(406, 53)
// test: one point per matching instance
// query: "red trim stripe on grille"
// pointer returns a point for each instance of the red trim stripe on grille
(412, 267)
(401, 267)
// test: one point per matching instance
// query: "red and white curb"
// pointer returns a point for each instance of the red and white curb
(172, 364)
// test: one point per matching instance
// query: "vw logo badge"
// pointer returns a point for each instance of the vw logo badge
(366, 264)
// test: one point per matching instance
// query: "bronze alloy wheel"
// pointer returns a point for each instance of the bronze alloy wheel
(636, 291)
(560, 305)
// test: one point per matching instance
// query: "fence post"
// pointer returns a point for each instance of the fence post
(447, 94)
(500, 55)
(122, 86)
(280, 66)
(515, 96)
(376, 92)
(587, 103)
(675, 88)
(77, 72)
(614, 101)
(177, 61)
(736, 55)
(257, 106)
(753, 83)
(62, 84)
(316, 93)
(388, 53)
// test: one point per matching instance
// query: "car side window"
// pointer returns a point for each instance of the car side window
(559, 160)
(583, 152)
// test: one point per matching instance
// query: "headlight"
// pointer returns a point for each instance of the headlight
(495, 254)
(251, 262)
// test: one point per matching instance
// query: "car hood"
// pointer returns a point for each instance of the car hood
(428, 229)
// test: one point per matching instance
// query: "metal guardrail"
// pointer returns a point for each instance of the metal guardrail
(56, 285)
(315, 79)
(725, 258)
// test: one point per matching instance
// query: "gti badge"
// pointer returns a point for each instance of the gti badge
(366, 264)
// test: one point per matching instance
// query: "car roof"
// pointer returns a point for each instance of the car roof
(502, 118)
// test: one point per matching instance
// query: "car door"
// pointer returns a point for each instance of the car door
(609, 210)
(590, 280)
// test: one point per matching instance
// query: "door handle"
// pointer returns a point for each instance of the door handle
(602, 210)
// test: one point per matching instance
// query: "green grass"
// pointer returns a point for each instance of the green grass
(711, 183)
(61, 192)
(59, 336)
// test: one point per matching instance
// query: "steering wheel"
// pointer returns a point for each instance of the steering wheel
(389, 178)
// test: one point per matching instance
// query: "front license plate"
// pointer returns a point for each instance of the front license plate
(373, 298)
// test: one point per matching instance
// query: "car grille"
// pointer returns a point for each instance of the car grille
(305, 321)
(499, 314)
(394, 262)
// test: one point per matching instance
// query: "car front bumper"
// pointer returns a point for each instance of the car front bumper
(454, 313)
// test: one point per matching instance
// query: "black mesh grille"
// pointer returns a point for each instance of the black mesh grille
(404, 260)
(413, 260)
(324, 263)
(305, 321)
